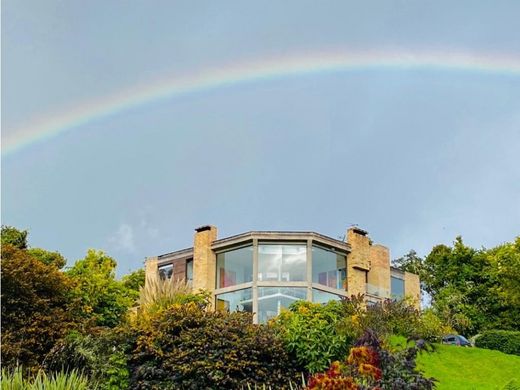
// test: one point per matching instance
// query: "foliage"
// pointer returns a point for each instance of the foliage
(310, 332)
(186, 346)
(12, 236)
(37, 307)
(469, 368)
(16, 380)
(411, 262)
(100, 355)
(500, 340)
(161, 293)
(48, 257)
(392, 317)
(134, 281)
(104, 300)
(471, 290)
(368, 365)
(431, 327)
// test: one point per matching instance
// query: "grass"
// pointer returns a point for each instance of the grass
(470, 368)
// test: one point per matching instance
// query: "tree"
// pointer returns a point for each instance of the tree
(105, 300)
(47, 257)
(15, 237)
(410, 262)
(474, 290)
(37, 309)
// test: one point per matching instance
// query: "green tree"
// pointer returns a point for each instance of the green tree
(104, 299)
(411, 262)
(37, 309)
(13, 236)
(48, 257)
(473, 290)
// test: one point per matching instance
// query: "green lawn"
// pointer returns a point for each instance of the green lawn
(470, 368)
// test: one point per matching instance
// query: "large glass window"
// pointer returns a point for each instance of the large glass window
(285, 263)
(319, 296)
(235, 267)
(328, 268)
(397, 287)
(166, 271)
(240, 300)
(271, 300)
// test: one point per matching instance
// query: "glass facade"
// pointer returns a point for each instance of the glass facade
(235, 267)
(240, 300)
(329, 268)
(282, 275)
(282, 263)
(271, 300)
(397, 287)
(319, 296)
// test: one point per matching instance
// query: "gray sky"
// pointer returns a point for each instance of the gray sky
(415, 156)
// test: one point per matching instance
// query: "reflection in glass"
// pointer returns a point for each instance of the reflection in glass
(240, 300)
(319, 296)
(286, 263)
(329, 268)
(271, 300)
(166, 271)
(397, 287)
(189, 271)
(235, 267)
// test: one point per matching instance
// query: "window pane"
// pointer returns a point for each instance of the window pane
(235, 267)
(397, 287)
(240, 300)
(328, 268)
(272, 299)
(189, 271)
(287, 263)
(319, 296)
(166, 271)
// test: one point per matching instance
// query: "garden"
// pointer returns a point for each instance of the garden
(81, 328)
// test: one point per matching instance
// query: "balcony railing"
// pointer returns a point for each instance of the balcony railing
(377, 291)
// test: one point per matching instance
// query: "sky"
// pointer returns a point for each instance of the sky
(126, 125)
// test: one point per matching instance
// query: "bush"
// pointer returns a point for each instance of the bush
(369, 366)
(502, 340)
(185, 346)
(310, 332)
(431, 327)
(100, 355)
(16, 380)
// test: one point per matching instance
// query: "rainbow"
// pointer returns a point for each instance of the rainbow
(51, 125)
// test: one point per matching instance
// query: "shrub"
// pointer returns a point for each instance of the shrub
(431, 327)
(501, 340)
(392, 317)
(100, 355)
(16, 380)
(369, 366)
(310, 332)
(186, 346)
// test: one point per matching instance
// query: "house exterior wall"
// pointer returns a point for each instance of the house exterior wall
(368, 265)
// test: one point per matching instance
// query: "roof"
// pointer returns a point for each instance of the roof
(269, 235)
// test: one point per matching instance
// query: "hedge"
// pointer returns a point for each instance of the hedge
(502, 340)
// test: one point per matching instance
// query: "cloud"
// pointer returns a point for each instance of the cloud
(123, 239)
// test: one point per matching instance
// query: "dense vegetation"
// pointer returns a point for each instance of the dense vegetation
(501, 340)
(83, 326)
(472, 290)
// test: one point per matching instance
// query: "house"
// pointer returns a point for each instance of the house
(264, 271)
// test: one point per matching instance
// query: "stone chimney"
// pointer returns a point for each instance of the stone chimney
(204, 267)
